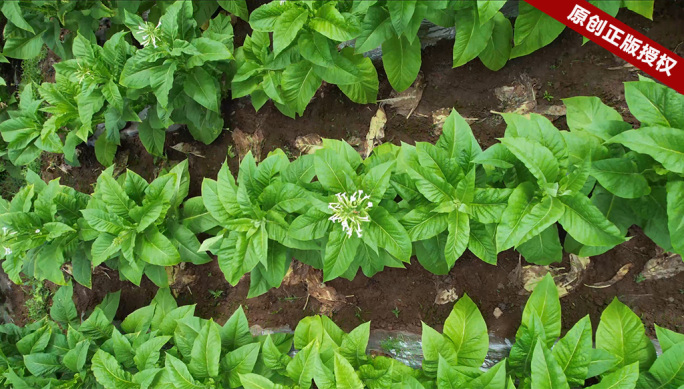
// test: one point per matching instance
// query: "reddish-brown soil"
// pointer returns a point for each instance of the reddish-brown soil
(563, 69)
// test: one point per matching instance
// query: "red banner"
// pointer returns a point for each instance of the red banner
(618, 38)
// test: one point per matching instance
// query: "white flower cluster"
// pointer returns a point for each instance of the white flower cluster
(150, 34)
(351, 211)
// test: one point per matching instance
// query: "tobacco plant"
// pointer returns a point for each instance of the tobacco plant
(135, 226)
(163, 345)
(639, 173)
(254, 217)
(352, 213)
(41, 231)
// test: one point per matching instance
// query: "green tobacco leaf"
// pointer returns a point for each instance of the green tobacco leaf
(13, 13)
(202, 88)
(587, 224)
(435, 347)
(178, 373)
(364, 91)
(573, 352)
(109, 373)
(466, 328)
(655, 104)
(206, 351)
(345, 376)
(482, 241)
(543, 248)
(668, 369)
(537, 158)
(423, 224)
(43, 364)
(487, 9)
(401, 60)
(643, 8)
(621, 177)
(621, 333)
(401, 13)
(354, 345)
(376, 28)
(339, 253)
(256, 381)
(582, 111)
(388, 233)
(24, 46)
(545, 302)
(624, 378)
(236, 7)
(287, 27)
(533, 30)
(331, 23)
(546, 372)
(300, 83)
(668, 338)
(157, 249)
(458, 225)
(241, 361)
(495, 55)
(471, 36)
(664, 144)
(63, 309)
(458, 140)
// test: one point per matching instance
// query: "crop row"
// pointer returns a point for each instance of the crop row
(340, 213)
(163, 345)
(176, 65)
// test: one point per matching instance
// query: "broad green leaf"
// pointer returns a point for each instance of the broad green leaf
(482, 241)
(157, 249)
(458, 225)
(466, 328)
(621, 333)
(236, 7)
(109, 373)
(458, 140)
(436, 346)
(43, 364)
(206, 351)
(472, 36)
(365, 90)
(241, 361)
(339, 253)
(75, 358)
(147, 354)
(179, 373)
(537, 158)
(668, 338)
(664, 144)
(286, 28)
(582, 111)
(389, 234)
(345, 376)
(235, 333)
(63, 309)
(299, 83)
(354, 345)
(546, 372)
(643, 8)
(401, 60)
(545, 302)
(495, 55)
(533, 30)
(624, 378)
(256, 381)
(655, 104)
(202, 88)
(668, 369)
(544, 248)
(584, 222)
(331, 23)
(675, 214)
(13, 13)
(401, 13)
(423, 224)
(573, 352)
(621, 177)
(376, 28)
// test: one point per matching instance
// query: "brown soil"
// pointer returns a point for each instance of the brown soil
(563, 69)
